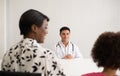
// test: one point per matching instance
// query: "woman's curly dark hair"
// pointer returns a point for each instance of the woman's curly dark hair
(106, 50)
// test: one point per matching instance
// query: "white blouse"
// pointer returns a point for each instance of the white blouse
(29, 56)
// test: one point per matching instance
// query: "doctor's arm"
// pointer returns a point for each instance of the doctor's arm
(77, 52)
(69, 56)
(57, 52)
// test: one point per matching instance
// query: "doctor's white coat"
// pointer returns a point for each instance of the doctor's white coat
(61, 50)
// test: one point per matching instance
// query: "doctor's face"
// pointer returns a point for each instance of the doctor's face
(65, 35)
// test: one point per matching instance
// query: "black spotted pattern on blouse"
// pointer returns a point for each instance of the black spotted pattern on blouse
(30, 56)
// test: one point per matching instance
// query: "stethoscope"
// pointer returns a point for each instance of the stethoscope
(58, 44)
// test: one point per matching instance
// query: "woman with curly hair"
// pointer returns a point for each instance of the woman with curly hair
(106, 53)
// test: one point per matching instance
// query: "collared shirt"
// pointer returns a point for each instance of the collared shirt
(29, 56)
(61, 51)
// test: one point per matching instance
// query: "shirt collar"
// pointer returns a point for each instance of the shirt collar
(29, 42)
(61, 43)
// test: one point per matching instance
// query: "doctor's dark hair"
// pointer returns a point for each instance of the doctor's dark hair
(64, 28)
(106, 50)
(29, 18)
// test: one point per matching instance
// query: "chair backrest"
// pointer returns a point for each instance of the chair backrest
(7, 73)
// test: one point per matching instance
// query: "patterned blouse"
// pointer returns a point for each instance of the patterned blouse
(30, 56)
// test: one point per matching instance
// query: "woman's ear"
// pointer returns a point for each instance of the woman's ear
(34, 28)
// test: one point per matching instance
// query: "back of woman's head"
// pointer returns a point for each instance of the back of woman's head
(29, 18)
(106, 50)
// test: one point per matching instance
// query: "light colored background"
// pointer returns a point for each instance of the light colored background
(86, 18)
(2, 29)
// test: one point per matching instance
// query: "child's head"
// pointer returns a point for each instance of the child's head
(106, 50)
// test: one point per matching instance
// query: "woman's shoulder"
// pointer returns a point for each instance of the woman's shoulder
(94, 74)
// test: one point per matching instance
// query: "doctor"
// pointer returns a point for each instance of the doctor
(65, 49)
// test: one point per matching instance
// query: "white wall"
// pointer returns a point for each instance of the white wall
(119, 13)
(2, 33)
(86, 18)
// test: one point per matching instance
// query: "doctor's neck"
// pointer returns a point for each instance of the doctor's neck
(65, 42)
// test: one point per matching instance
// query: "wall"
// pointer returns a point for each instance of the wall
(86, 18)
(2, 29)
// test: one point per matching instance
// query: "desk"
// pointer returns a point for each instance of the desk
(77, 67)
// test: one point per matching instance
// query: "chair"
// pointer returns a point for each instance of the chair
(7, 73)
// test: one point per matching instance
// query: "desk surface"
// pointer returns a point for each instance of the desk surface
(76, 67)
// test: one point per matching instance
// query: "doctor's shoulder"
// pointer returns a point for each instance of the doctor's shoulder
(56, 46)
(75, 46)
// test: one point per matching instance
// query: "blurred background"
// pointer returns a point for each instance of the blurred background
(86, 19)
